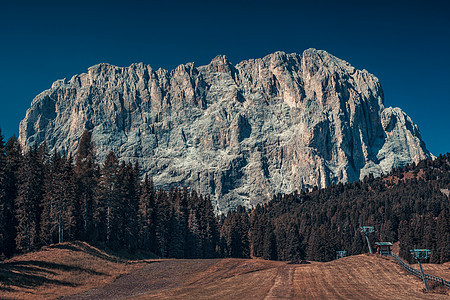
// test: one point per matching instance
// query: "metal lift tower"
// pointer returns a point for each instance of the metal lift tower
(366, 230)
(341, 254)
(421, 254)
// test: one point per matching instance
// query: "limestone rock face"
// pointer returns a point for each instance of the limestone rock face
(236, 132)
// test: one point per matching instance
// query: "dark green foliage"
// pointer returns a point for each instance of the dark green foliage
(208, 228)
(3, 205)
(13, 162)
(193, 239)
(162, 224)
(409, 207)
(107, 215)
(129, 188)
(178, 225)
(86, 175)
(125, 213)
(57, 222)
(234, 234)
(147, 216)
(269, 243)
(442, 249)
(28, 201)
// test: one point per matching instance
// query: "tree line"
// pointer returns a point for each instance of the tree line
(53, 198)
(410, 206)
(46, 199)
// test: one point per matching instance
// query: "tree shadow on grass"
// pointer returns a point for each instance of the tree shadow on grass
(86, 248)
(105, 254)
(30, 274)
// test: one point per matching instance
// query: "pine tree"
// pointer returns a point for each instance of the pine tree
(86, 181)
(257, 232)
(51, 197)
(66, 220)
(29, 199)
(243, 231)
(129, 206)
(443, 236)
(3, 200)
(234, 234)
(294, 247)
(269, 243)
(147, 216)
(58, 201)
(236, 244)
(193, 240)
(162, 222)
(178, 226)
(107, 204)
(13, 162)
(208, 227)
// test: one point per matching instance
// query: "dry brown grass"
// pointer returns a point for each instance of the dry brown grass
(60, 270)
(80, 271)
(356, 277)
(442, 271)
(193, 279)
(359, 277)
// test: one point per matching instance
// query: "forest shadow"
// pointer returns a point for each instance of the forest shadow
(106, 253)
(88, 249)
(31, 274)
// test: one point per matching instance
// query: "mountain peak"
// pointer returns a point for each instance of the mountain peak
(238, 133)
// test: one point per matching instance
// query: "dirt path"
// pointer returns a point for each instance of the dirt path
(283, 285)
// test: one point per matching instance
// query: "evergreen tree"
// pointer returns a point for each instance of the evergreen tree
(243, 228)
(443, 236)
(58, 201)
(129, 206)
(162, 223)
(86, 181)
(269, 243)
(193, 239)
(29, 199)
(66, 219)
(257, 220)
(178, 226)
(208, 227)
(147, 215)
(3, 200)
(234, 234)
(294, 247)
(107, 215)
(13, 162)
(48, 232)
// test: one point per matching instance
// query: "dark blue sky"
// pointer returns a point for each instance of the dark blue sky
(406, 44)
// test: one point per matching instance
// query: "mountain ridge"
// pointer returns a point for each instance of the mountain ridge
(236, 132)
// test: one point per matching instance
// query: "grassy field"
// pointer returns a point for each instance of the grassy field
(59, 270)
(79, 271)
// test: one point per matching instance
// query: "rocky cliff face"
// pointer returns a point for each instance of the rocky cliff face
(239, 133)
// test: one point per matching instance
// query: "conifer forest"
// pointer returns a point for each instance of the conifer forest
(48, 198)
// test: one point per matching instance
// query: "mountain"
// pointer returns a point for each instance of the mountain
(236, 132)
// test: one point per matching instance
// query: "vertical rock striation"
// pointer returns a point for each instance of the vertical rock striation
(239, 133)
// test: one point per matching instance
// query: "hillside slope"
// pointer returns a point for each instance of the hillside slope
(59, 270)
(357, 277)
(80, 271)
